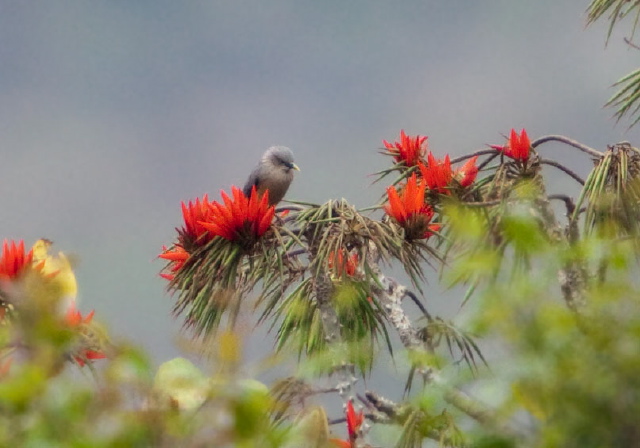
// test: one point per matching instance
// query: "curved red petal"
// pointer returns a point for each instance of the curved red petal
(395, 207)
(265, 222)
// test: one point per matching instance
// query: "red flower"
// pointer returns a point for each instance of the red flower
(75, 321)
(193, 213)
(13, 260)
(410, 211)
(466, 174)
(240, 219)
(437, 174)
(176, 256)
(518, 147)
(89, 355)
(408, 150)
(340, 265)
(354, 421)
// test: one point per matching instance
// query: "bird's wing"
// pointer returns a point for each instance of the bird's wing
(254, 180)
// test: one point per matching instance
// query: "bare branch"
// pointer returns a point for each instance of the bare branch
(481, 152)
(567, 141)
(631, 44)
(563, 168)
(568, 202)
(296, 252)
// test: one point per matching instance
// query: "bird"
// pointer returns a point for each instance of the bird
(274, 173)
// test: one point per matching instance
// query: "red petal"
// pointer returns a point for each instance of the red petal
(174, 256)
(88, 317)
(524, 138)
(468, 172)
(218, 229)
(265, 222)
(395, 207)
(93, 354)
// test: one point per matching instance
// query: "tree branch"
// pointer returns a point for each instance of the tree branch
(390, 294)
(563, 168)
(481, 152)
(567, 141)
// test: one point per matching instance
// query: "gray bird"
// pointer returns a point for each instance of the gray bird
(273, 173)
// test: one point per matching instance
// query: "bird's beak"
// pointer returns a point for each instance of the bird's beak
(295, 167)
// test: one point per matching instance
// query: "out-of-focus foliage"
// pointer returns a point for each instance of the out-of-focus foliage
(570, 379)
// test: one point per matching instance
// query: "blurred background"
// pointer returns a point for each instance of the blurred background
(113, 112)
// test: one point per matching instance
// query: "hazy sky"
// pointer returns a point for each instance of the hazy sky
(112, 112)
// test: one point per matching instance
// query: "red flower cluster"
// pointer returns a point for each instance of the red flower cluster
(439, 176)
(75, 321)
(410, 211)
(241, 217)
(342, 264)
(409, 150)
(193, 214)
(13, 260)
(467, 173)
(518, 147)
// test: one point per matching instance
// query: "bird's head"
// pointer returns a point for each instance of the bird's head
(280, 157)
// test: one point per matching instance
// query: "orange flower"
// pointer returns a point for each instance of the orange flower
(410, 211)
(466, 174)
(408, 150)
(74, 318)
(437, 174)
(13, 260)
(341, 443)
(75, 321)
(176, 256)
(240, 219)
(518, 147)
(340, 266)
(193, 213)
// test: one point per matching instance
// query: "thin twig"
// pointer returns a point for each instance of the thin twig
(563, 168)
(481, 152)
(489, 160)
(568, 202)
(292, 207)
(567, 141)
(631, 44)
(295, 253)
(419, 304)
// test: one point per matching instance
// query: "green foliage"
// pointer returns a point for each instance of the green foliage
(575, 374)
(617, 9)
(612, 193)
(626, 100)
